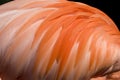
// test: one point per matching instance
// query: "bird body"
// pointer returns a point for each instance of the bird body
(56, 40)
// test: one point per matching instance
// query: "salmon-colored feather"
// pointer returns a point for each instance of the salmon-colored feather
(56, 40)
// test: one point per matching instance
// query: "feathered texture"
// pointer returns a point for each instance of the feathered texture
(56, 40)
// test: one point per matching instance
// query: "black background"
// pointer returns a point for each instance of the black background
(110, 7)
(4, 1)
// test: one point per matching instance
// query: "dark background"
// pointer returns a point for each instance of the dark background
(4, 1)
(110, 7)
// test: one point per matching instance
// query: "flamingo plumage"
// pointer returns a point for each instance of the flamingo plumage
(56, 40)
